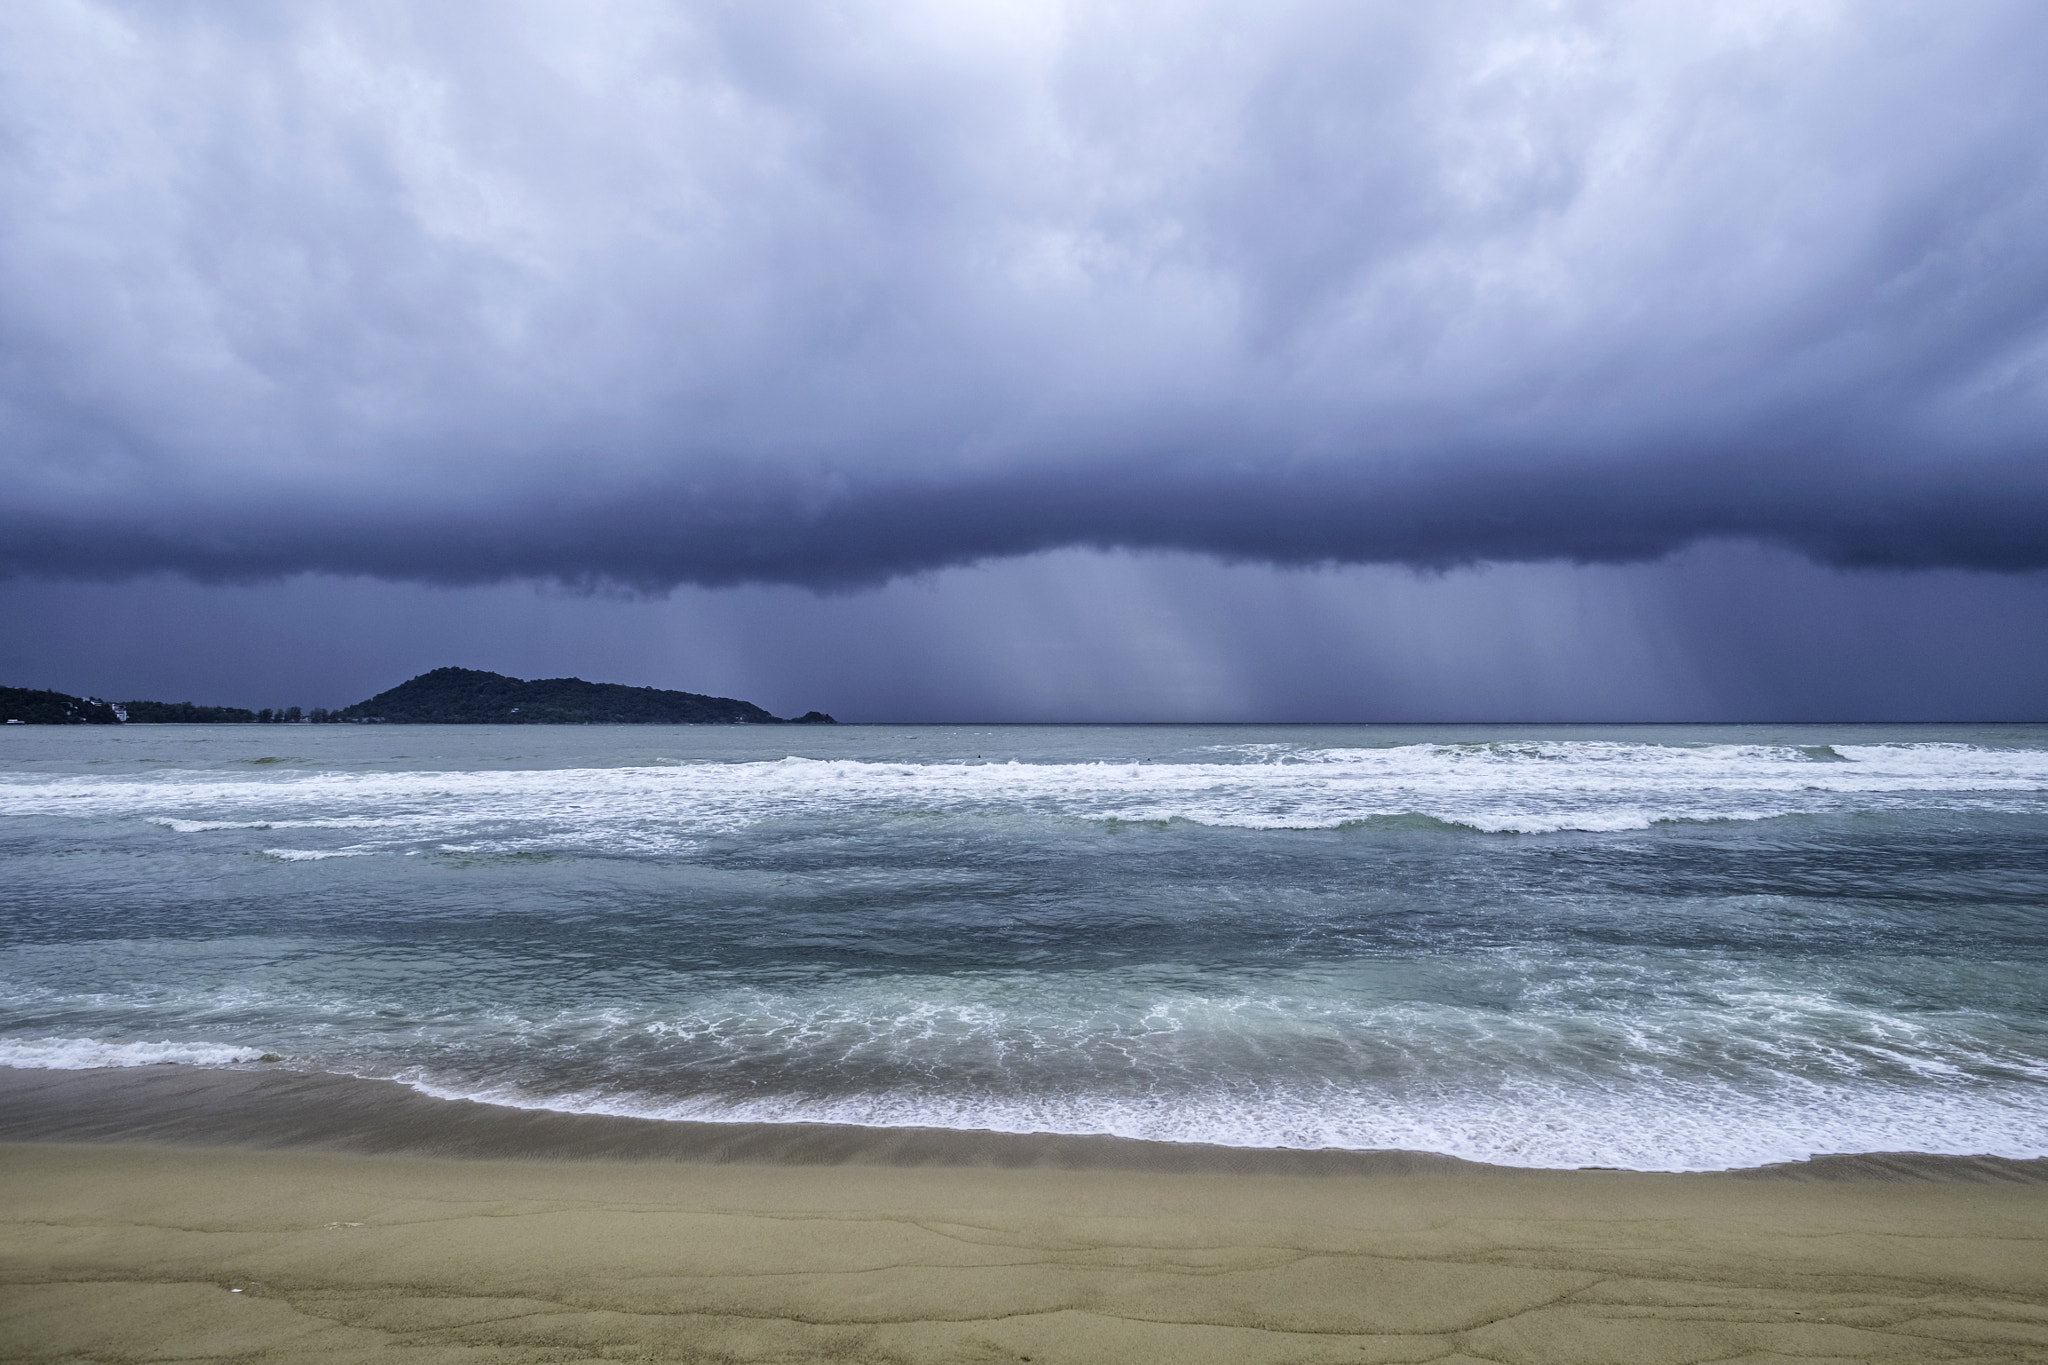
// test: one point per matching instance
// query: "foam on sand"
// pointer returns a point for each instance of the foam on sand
(128, 1253)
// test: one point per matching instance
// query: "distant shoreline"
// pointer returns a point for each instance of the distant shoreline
(442, 696)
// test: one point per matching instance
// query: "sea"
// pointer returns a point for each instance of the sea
(1655, 947)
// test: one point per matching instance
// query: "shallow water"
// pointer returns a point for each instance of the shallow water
(1653, 947)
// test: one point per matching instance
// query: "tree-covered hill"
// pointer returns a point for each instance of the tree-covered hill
(468, 696)
(31, 706)
(446, 696)
(185, 713)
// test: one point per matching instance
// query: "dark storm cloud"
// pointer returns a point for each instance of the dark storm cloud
(823, 294)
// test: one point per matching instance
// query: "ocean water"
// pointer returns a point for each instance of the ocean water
(1667, 948)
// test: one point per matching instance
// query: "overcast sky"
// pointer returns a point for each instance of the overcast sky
(977, 360)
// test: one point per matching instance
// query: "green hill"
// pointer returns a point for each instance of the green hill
(29, 706)
(185, 713)
(446, 696)
(468, 696)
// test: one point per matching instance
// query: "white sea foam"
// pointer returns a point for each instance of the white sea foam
(1702, 1128)
(81, 1054)
(1602, 1063)
(1657, 1054)
(1524, 788)
(204, 826)
(1745, 1075)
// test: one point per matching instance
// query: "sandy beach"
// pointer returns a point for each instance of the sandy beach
(554, 1237)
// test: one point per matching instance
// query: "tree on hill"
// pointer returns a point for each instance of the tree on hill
(184, 713)
(30, 706)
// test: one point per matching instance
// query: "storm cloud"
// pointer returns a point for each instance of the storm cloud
(826, 294)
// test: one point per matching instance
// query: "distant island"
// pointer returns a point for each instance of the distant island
(467, 696)
(446, 696)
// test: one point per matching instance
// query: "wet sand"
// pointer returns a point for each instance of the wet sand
(362, 1222)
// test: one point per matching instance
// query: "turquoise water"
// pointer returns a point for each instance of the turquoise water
(1652, 947)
